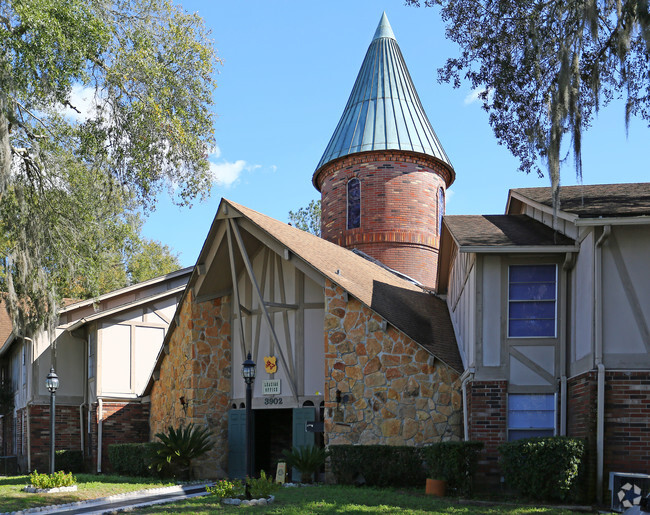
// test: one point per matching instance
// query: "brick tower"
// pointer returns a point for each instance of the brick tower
(384, 174)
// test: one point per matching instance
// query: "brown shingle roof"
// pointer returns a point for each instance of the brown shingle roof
(503, 231)
(589, 201)
(420, 315)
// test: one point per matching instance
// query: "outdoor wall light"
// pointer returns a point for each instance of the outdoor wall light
(248, 370)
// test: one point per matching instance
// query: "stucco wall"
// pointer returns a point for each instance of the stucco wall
(392, 390)
(197, 368)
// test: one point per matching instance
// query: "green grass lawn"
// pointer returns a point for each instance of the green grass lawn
(12, 498)
(345, 499)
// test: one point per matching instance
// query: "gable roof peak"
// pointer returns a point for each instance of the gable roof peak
(384, 29)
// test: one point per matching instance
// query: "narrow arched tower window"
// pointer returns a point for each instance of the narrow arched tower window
(441, 208)
(354, 203)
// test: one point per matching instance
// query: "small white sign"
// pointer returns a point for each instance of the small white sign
(271, 387)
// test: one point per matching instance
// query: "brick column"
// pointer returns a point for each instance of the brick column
(487, 409)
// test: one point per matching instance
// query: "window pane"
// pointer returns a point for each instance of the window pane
(530, 419)
(531, 401)
(518, 434)
(532, 291)
(532, 328)
(532, 310)
(532, 273)
(354, 203)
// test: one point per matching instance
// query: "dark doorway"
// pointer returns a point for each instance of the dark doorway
(272, 436)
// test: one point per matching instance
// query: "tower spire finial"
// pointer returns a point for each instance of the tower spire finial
(384, 29)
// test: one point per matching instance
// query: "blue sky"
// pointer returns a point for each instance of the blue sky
(288, 69)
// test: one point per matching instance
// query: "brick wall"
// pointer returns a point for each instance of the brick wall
(393, 391)
(487, 419)
(67, 433)
(627, 422)
(198, 368)
(399, 208)
(122, 422)
(582, 393)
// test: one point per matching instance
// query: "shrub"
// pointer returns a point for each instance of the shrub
(307, 459)
(261, 487)
(224, 488)
(69, 461)
(453, 461)
(56, 480)
(542, 468)
(131, 459)
(377, 465)
(175, 450)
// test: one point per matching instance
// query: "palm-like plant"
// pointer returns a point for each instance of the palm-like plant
(307, 459)
(175, 450)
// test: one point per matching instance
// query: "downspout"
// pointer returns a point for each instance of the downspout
(598, 351)
(100, 408)
(567, 266)
(28, 404)
(465, 378)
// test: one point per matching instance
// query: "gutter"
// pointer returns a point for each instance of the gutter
(598, 356)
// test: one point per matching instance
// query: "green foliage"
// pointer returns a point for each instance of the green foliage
(176, 449)
(453, 461)
(69, 460)
(261, 487)
(131, 459)
(307, 218)
(350, 463)
(542, 468)
(224, 489)
(545, 68)
(73, 172)
(307, 459)
(56, 480)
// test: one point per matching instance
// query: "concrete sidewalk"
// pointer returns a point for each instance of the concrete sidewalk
(121, 502)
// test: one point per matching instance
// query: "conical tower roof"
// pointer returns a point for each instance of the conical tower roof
(384, 111)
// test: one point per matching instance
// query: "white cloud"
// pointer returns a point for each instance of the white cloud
(274, 168)
(217, 152)
(83, 100)
(473, 96)
(226, 174)
(448, 195)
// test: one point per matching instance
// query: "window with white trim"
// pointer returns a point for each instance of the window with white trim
(532, 301)
(530, 415)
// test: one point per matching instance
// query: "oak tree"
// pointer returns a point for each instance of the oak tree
(545, 67)
(71, 170)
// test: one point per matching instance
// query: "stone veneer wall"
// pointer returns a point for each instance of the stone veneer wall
(396, 393)
(197, 368)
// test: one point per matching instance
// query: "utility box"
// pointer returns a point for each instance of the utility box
(628, 489)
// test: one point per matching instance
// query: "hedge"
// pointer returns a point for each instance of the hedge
(543, 468)
(131, 459)
(454, 462)
(377, 465)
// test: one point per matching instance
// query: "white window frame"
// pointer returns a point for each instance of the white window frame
(555, 301)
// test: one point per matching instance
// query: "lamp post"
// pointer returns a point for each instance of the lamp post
(248, 373)
(52, 383)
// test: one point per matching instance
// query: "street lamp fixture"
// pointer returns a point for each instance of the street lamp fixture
(248, 373)
(52, 383)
